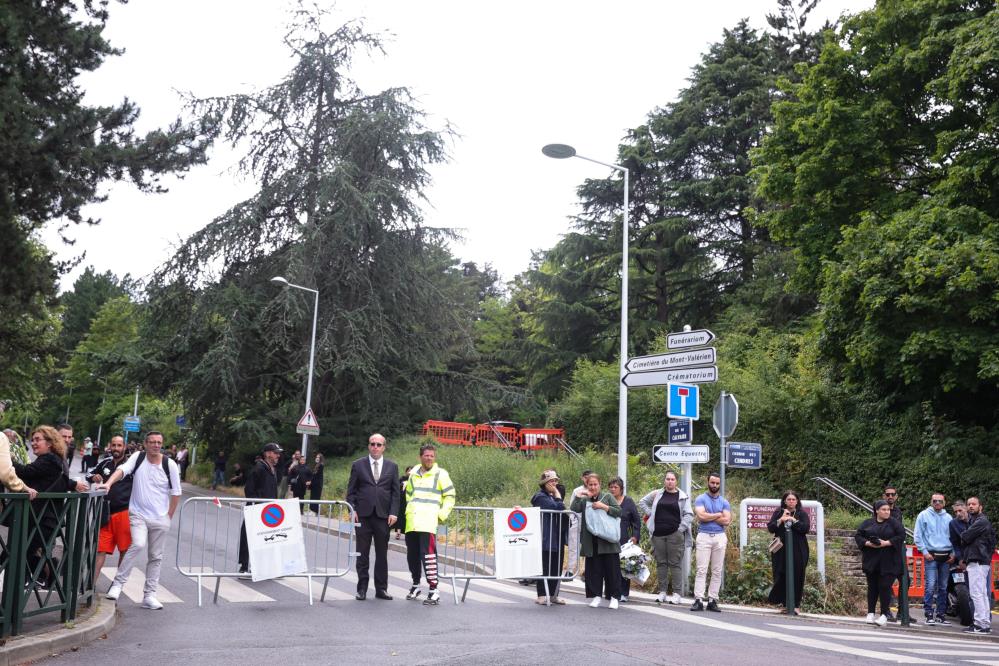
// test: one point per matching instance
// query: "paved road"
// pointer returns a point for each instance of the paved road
(256, 623)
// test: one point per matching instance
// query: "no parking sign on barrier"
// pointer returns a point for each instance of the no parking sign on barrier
(517, 533)
(275, 539)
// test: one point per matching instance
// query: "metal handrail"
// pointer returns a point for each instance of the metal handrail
(568, 449)
(863, 504)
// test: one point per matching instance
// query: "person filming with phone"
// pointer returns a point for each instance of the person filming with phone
(880, 539)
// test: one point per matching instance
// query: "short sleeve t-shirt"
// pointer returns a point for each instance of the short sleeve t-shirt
(150, 489)
(712, 505)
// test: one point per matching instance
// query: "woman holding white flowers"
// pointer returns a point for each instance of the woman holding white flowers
(631, 526)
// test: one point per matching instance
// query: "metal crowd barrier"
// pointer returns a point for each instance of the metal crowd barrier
(466, 548)
(47, 555)
(209, 534)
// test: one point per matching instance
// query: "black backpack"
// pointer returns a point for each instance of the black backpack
(166, 466)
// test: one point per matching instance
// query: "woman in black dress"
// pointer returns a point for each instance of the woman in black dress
(631, 527)
(880, 540)
(316, 484)
(789, 511)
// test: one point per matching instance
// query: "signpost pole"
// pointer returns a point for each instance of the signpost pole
(790, 603)
(722, 438)
(688, 470)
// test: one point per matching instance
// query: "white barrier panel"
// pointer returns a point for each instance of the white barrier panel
(518, 542)
(274, 537)
(815, 512)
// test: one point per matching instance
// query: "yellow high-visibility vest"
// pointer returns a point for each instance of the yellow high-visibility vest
(429, 499)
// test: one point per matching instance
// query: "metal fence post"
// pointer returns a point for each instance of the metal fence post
(789, 600)
(13, 566)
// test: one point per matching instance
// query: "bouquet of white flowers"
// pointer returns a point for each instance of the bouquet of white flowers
(634, 563)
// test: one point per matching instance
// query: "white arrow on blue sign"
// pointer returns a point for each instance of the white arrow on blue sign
(683, 402)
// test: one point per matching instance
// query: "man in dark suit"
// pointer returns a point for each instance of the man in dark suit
(373, 491)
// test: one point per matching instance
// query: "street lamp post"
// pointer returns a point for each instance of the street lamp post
(312, 353)
(561, 151)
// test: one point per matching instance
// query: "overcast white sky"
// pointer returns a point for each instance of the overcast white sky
(510, 77)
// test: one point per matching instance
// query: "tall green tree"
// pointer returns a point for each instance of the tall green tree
(882, 174)
(340, 174)
(90, 292)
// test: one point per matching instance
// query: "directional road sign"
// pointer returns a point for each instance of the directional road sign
(667, 361)
(699, 375)
(181, 421)
(726, 415)
(747, 455)
(687, 339)
(308, 425)
(132, 424)
(683, 402)
(681, 431)
(664, 453)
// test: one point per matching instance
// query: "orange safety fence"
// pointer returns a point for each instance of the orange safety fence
(539, 439)
(501, 437)
(449, 432)
(917, 573)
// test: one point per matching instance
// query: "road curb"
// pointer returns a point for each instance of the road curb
(32, 647)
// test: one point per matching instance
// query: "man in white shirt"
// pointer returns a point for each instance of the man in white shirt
(155, 496)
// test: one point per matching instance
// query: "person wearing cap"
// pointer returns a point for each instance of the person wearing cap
(373, 490)
(554, 535)
(261, 483)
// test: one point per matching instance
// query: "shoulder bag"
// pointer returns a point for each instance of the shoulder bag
(601, 524)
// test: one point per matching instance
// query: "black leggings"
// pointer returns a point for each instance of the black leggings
(879, 587)
(551, 565)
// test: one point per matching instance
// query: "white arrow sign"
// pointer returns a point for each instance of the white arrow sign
(700, 375)
(675, 360)
(697, 338)
(662, 453)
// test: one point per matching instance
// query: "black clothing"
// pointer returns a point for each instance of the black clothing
(955, 527)
(316, 489)
(369, 497)
(879, 588)
(978, 541)
(631, 524)
(881, 560)
(261, 482)
(373, 501)
(220, 462)
(778, 560)
(414, 558)
(602, 576)
(47, 474)
(667, 514)
(303, 475)
(554, 526)
(551, 565)
(121, 492)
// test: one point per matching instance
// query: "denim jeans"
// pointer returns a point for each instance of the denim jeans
(219, 478)
(936, 581)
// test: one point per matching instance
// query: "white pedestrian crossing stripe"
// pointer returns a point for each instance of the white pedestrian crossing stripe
(133, 588)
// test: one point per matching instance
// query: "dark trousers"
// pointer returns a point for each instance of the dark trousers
(879, 588)
(413, 556)
(372, 527)
(551, 565)
(244, 549)
(625, 587)
(603, 576)
(424, 546)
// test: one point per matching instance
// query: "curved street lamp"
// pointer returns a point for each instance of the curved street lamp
(277, 279)
(561, 151)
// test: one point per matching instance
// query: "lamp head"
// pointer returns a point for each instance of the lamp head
(559, 151)
(277, 279)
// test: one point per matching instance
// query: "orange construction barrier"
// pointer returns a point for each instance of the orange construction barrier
(540, 439)
(501, 437)
(449, 432)
(917, 573)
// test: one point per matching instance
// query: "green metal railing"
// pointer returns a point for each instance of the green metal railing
(47, 555)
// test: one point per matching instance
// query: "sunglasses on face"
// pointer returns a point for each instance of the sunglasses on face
(890, 494)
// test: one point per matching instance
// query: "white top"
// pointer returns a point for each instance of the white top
(150, 489)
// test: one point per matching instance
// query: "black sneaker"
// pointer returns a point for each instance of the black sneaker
(980, 630)
(697, 606)
(930, 621)
(943, 620)
(244, 573)
(433, 598)
(713, 606)
(414, 592)
(891, 617)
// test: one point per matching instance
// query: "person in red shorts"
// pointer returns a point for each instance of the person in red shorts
(115, 533)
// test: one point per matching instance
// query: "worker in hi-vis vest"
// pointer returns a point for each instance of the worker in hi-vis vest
(429, 500)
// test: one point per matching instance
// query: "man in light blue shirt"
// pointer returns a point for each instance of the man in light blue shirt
(933, 541)
(714, 514)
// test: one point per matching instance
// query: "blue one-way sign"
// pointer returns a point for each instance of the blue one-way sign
(683, 402)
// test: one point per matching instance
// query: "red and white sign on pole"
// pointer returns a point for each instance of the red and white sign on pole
(758, 515)
(755, 513)
(308, 424)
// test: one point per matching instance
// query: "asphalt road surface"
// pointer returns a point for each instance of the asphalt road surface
(271, 622)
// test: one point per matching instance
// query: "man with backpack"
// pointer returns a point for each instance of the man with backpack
(155, 496)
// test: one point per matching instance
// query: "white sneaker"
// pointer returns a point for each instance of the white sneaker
(595, 603)
(624, 598)
(881, 621)
(152, 603)
(113, 592)
(613, 604)
(675, 599)
(870, 618)
(661, 599)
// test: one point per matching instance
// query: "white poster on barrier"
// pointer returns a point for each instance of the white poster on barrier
(275, 539)
(517, 534)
